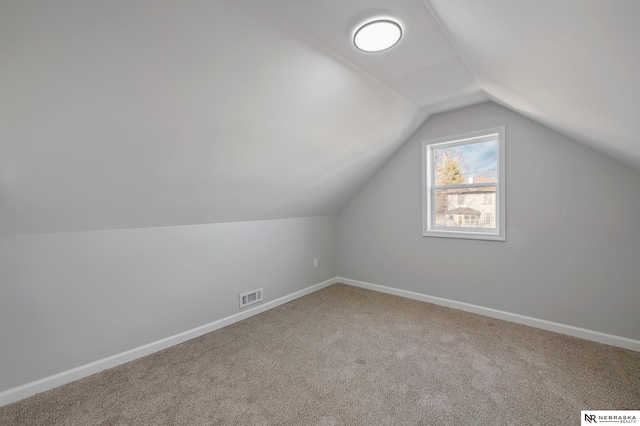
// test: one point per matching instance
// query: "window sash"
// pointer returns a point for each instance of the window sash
(468, 229)
(429, 188)
(466, 185)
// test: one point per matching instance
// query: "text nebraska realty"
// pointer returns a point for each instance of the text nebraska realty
(610, 419)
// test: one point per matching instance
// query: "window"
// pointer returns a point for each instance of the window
(463, 186)
(470, 219)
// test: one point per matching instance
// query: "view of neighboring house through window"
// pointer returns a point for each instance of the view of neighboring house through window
(463, 186)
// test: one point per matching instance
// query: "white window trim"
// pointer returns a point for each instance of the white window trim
(428, 226)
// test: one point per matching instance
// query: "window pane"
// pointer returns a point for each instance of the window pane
(472, 163)
(463, 183)
(466, 207)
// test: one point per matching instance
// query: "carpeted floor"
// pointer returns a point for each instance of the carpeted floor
(348, 356)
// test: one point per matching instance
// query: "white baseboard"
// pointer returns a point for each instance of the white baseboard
(15, 394)
(596, 336)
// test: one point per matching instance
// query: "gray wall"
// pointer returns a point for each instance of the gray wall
(573, 230)
(68, 299)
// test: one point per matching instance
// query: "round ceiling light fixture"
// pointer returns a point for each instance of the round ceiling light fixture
(377, 36)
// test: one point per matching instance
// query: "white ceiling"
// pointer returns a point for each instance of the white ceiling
(424, 67)
(569, 64)
(120, 114)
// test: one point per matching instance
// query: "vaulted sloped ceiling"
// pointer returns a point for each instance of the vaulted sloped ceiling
(121, 114)
(569, 64)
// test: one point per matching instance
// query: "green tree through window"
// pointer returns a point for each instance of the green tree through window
(449, 170)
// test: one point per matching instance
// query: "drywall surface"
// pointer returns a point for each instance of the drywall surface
(573, 236)
(120, 114)
(570, 65)
(73, 298)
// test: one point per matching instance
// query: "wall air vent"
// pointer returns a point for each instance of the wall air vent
(250, 297)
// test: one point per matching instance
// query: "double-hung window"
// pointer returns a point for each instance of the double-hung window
(463, 186)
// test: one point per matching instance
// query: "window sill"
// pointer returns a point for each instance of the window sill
(467, 235)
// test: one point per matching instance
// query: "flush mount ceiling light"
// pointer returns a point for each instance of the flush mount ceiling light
(378, 35)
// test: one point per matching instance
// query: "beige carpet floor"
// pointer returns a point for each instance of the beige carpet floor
(348, 356)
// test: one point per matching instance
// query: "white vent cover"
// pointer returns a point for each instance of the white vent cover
(250, 297)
